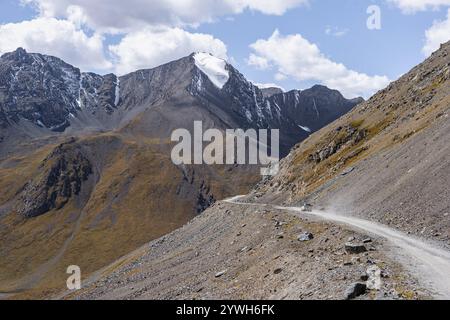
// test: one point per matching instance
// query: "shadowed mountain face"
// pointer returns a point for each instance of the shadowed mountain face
(268, 92)
(41, 94)
(48, 92)
(85, 168)
(313, 108)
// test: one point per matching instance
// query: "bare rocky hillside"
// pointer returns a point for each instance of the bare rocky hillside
(388, 160)
(384, 168)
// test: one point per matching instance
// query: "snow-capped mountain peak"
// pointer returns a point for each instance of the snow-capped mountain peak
(54, 95)
(214, 68)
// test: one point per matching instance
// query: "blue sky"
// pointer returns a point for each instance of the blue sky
(390, 51)
(355, 55)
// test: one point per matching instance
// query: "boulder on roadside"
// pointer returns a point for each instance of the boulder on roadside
(374, 278)
(347, 171)
(353, 248)
(305, 236)
(277, 271)
(306, 207)
(221, 273)
(355, 290)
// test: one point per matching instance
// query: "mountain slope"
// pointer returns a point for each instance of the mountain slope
(85, 159)
(386, 161)
(248, 252)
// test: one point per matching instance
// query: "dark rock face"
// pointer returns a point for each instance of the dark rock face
(98, 92)
(268, 92)
(347, 135)
(205, 198)
(313, 108)
(296, 114)
(53, 95)
(151, 86)
(63, 173)
(49, 92)
(352, 248)
(38, 88)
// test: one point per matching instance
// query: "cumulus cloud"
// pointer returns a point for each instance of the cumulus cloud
(295, 57)
(412, 6)
(151, 30)
(436, 35)
(55, 37)
(258, 62)
(153, 47)
(439, 32)
(124, 16)
(335, 31)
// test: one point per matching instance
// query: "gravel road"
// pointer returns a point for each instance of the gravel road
(426, 261)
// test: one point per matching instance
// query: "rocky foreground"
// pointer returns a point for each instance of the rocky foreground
(236, 252)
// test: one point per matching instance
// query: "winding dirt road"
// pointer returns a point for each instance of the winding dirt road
(430, 264)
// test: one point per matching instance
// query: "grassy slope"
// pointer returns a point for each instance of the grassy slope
(138, 195)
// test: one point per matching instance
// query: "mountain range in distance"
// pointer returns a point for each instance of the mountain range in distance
(85, 159)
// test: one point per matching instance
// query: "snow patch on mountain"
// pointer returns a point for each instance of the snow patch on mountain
(305, 129)
(213, 67)
(117, 93)
(315, 108)
(248, 115)
(79, 102)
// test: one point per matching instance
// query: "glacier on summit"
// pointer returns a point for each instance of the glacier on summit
(213, 67)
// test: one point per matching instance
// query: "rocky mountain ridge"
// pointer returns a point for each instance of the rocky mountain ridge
(85, 159)
(58, 97)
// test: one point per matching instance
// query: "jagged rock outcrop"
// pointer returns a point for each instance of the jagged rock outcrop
(49, 92)
(268, 92)
(313, 108)
(348, 135)
(60, 177)
(55, 96)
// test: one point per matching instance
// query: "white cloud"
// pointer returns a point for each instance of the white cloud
(439, 32)
(152, 47)
(124, 16)
(335, 31)
(258, 62)
(278, 7)
(55, 37)
(280, 76)
(296, 57)
(151, 30)
(147, 48)
(412, 6)
(436, 35)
